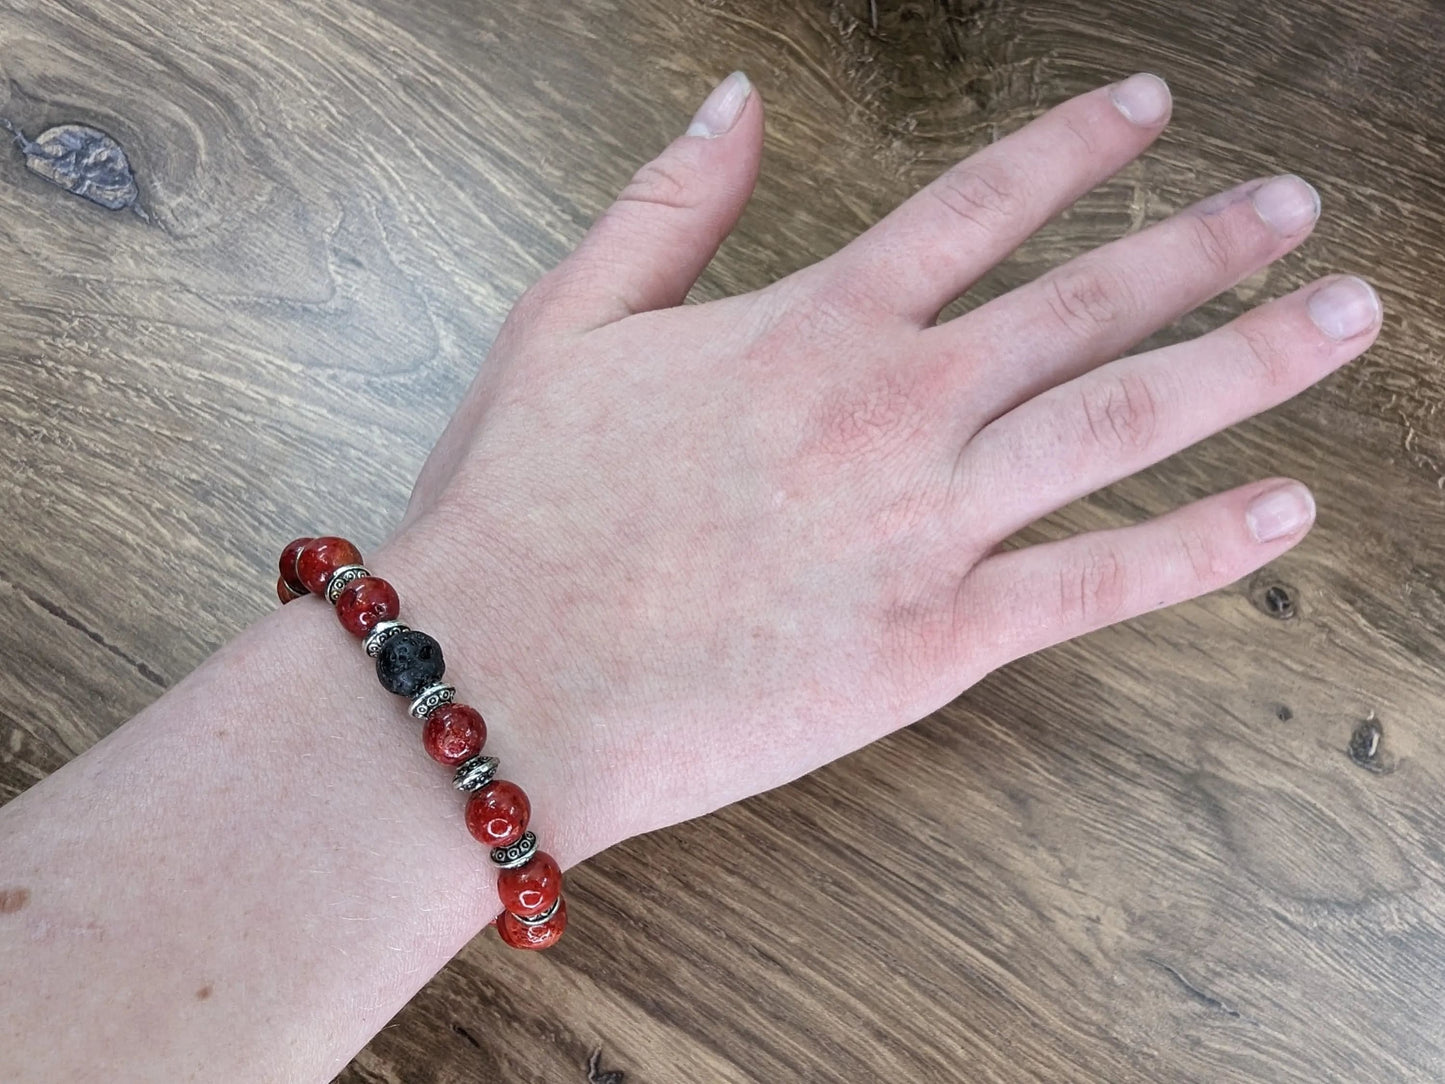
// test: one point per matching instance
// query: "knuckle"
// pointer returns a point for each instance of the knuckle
(1120, 414)
(1082, 135)
(985, 195)
(1266, 356)
(1203, 554)
(547, 290)
(552, 296)
(1094, 589)
(800, 313)
(1211, 243)
(1088, 300)
(826, 305)
(531, 309)
(663, 182)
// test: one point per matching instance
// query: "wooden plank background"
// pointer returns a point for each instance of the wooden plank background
(1149, 855)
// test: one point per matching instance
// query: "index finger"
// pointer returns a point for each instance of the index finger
(943, 238)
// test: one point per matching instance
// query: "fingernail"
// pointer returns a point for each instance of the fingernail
(722, 108)
(1142, 98)
(1280, 511)
(1287, 204)
(1344, 308)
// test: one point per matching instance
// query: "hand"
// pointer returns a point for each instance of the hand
(699, 550)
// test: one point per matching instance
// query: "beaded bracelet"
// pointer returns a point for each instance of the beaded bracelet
(409, 663)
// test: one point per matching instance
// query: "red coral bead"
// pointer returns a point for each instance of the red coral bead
(364, 602)
(532, 887)
(453, 733)
(320, 557)
(284, 592)
(289, 576)
(497, 814)
(544, 935)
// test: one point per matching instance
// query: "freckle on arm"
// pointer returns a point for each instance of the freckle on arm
(13, 899)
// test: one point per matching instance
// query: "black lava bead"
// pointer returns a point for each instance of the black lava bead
(409, 662)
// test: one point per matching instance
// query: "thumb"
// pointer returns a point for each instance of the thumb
(649, 247)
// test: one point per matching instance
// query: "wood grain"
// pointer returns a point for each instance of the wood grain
(1153, 854)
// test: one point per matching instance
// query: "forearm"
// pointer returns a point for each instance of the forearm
(249, 878)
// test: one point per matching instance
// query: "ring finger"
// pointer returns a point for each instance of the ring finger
(1097, 305)
(1086, 433)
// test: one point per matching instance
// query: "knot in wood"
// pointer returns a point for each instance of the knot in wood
(1278, 602)
(84, 161)
(1365, 747)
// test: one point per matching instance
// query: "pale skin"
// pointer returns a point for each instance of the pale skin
(653, 536)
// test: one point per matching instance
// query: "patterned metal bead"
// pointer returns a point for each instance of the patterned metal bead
(340, 578)
(516, 854)
(543, 917)
(431, 698)
(475, 774)
(380, 633)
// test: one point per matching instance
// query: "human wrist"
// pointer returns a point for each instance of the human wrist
(469, 595)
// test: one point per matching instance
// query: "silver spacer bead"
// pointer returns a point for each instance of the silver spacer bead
(340, 578)
(431, 698)
(515, 854)
(380, 633)
(543, 917)
(475, 774)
